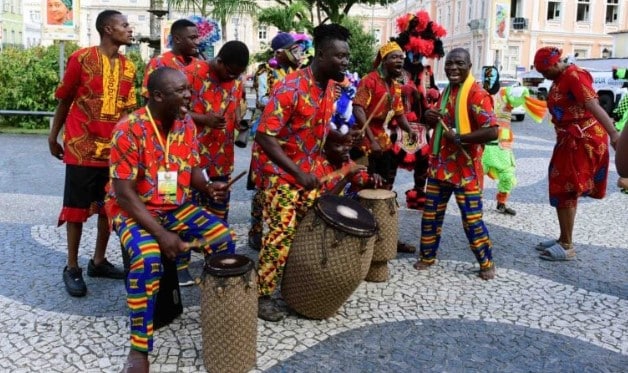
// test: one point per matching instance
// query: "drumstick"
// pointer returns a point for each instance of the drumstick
(464, 151)
(370, 118)
(344, 170)
(230, 183)
(197, 242)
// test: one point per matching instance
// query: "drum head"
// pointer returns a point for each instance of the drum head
(225, 265)
(376, 194)
(346, 215)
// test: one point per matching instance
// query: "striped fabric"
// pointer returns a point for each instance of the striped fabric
(470, 204)
(190, 222)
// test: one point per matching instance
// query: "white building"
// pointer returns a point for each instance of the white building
(32, 16)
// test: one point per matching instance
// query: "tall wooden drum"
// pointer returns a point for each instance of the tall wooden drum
(383, 204)
(329, 257)
(229, 313)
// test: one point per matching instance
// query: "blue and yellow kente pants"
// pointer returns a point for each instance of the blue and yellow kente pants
(470, 205)
(142, 284)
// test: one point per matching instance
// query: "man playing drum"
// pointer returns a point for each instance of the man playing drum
(288, 151)
(154, 163)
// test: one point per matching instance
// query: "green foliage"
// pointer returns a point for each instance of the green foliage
(361, 46)
(29, 78)
(336, 10)
(140, 65)
(294, 17)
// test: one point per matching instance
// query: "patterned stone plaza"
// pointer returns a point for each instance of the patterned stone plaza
(535, 316)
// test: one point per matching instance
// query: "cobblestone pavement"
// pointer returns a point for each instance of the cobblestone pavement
(535, 316)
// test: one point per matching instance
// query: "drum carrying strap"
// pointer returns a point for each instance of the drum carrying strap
(338, 237)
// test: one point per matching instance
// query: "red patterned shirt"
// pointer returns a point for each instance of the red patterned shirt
(194, 71)
(136, 154)
(371, 89)
(298, 116)
(450, 164)
(358, 181)
(102, 92)
(223, 99)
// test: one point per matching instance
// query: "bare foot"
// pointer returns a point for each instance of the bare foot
(488, 274)
(421, 266)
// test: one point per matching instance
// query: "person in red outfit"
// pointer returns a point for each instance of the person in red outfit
(463, 123)
(289, 151)
(379, 96)
(579, 163)
(181, 57)
(96, 91)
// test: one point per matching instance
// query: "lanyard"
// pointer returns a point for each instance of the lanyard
(159, 138)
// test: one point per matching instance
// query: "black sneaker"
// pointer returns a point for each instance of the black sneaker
(185, 279)
(105, 269)
(501, 207)
(255, 241)
(73, 280)
(267, 309)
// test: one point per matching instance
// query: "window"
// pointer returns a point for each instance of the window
(512, 58)
(377, 34)
(553, 10)
(458, 11)
(582, 14)
(141, 18)
(262, 32)
(581, 53)
(612, 10)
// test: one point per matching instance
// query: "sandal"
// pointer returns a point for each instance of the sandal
(558, 253)
(544, 245)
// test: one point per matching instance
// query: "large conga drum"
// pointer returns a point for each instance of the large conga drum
(329, 257)
(229, 313)
(383, 204)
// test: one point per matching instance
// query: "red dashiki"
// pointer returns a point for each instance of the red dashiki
(298, 116)
(451, 164)
(579, 164)
(102, 91)
(371, 89)
(194, 70)
(221, 98)
(357, 182)
(137, 154)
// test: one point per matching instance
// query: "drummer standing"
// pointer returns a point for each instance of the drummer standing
(379, 97)
(288, 151)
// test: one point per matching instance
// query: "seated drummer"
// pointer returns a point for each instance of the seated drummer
(153, 164)
(342, 176)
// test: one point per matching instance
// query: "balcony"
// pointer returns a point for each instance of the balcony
(477, 24)
(519, 23)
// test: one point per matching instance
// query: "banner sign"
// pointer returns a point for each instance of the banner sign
(60, 19)
(499, 27)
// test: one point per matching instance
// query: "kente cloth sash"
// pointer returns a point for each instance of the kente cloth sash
(461, 119)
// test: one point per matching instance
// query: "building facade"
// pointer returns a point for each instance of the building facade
(11, 23)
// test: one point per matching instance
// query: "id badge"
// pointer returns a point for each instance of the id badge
(167, 185)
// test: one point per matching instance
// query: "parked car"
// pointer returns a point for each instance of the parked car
(518, 113)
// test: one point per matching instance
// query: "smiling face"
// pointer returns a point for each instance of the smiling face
(457, 66)
(57, 12)
(174, 95)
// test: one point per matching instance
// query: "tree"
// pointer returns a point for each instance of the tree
(293, 17)
(332, 10)
(220, 9)
(361, 47)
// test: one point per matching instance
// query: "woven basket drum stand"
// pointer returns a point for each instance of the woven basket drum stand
(229, 313)
(383, 204)
(329, 257)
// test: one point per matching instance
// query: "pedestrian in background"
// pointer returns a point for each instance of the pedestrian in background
(579, 164)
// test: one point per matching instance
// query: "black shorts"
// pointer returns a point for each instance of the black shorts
(84, 185)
